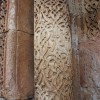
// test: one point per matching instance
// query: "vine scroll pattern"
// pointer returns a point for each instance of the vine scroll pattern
(92, 9)
(52, 50)
(3, 12)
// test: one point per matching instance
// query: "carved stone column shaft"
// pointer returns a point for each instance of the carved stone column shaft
(52, 50)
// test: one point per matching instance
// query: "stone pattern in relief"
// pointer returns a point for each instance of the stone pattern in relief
(52, 50)
(3, 10)
(92, 8)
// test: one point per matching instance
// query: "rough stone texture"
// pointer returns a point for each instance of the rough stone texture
(25, 16)
(16, 49)
(74, 14)
(85, 29)
(89, 40)
(90, 70)
(3, 15)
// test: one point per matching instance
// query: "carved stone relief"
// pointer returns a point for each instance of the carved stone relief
(16, 50)
(3, 12)
(92, 8)
(52, 50)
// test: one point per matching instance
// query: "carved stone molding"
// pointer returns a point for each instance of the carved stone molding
(3, 20)
(16, 50)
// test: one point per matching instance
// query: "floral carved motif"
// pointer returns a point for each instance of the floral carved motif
(92, 8)
(52, 50)
(3, 12)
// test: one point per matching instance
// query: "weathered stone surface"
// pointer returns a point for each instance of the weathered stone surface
(16, 50)
(12, 15)
(25, 16)
(89, 40)
(74, 10)
(20, 16)
(90, 70)
(85, 29)
(3, 14)
(19, 66)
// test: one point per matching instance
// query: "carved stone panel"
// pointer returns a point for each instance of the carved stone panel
(3, 13)
(52, 50)
(92, 17)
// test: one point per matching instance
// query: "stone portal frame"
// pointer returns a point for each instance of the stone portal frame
(16, 49)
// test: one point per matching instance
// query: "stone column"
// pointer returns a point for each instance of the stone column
(18, 62)
(52, 50)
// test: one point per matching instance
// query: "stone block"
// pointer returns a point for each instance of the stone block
(19, 68)
(20, 16)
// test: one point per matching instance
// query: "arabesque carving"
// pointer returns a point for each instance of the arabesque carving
(52, 50)
(3, 12)
(92, 8)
